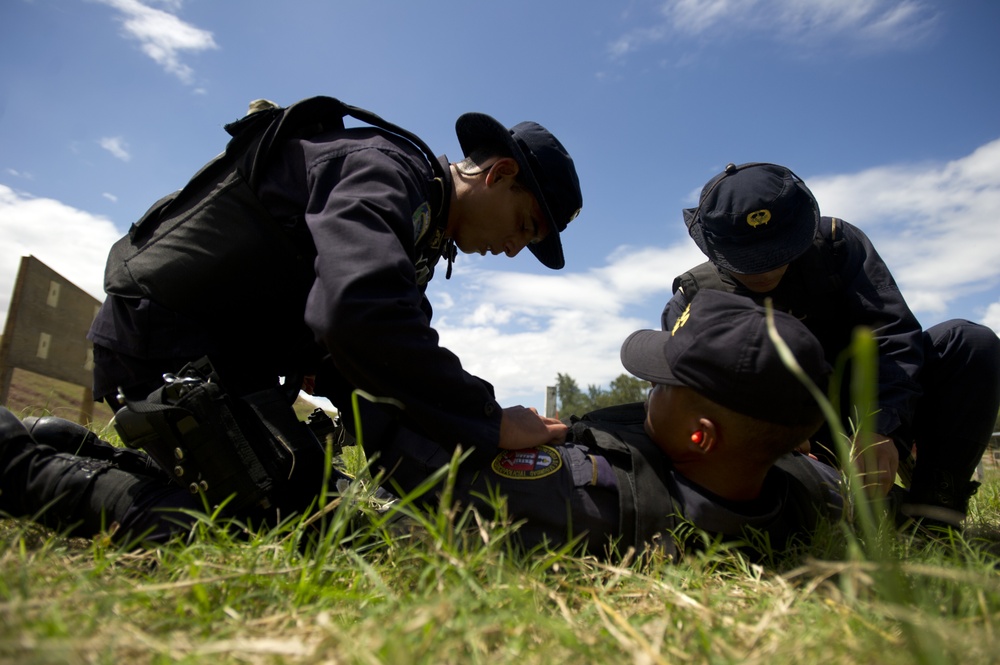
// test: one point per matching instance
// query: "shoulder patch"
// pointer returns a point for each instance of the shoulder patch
(421, 221)
(527, 464)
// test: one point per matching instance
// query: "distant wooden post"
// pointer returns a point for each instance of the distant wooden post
(6, 374)
(46, 331)
(6, 368)
(550, 402)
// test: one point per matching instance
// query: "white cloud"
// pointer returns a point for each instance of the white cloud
(162, 35)
(111, 197)
(872, 24)
(72, 242)
(934, 224)
(570, 323)
(992, 317)
(697, 16)
(116, 146)
(487, 314)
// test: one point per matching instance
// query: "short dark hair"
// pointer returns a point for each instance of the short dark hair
(758, 439)
(478, 161)
(472, 165)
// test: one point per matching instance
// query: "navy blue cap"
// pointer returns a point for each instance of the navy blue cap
(753, 218)
(721, 349)
(545, 167)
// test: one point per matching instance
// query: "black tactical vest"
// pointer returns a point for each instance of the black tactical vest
(812, 290)
(211, 250)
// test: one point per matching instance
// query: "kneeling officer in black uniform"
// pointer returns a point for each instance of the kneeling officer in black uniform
(939, 389)
(304, 251)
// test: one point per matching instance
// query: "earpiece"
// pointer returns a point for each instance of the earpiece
(697, 437)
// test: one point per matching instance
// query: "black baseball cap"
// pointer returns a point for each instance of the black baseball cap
(753, 218)
(720, 348)
(545, 167)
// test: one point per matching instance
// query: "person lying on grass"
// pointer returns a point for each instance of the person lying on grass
(713, 447)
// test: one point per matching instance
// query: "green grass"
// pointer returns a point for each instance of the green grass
(36, 395)
(450, 588)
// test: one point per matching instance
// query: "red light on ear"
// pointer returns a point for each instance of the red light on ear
(697, 437)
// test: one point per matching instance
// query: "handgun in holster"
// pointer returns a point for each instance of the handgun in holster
(227, 447)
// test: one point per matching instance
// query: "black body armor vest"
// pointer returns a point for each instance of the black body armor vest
(212, 250)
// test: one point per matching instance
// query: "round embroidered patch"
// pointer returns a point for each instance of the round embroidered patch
(421, 221)
(527, 464)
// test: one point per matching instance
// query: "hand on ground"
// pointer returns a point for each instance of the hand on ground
(877, 460)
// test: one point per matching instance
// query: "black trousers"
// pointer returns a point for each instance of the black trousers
(957, 411)
(961, 380)
(85, 494)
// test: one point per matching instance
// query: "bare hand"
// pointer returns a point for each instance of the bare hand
(877, 460)
(521, 427)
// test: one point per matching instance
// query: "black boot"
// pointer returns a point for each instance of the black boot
(938, 498)
(70, 437)
(57, 489)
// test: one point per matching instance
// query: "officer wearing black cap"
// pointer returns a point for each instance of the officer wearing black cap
(373, 216)
(713, 447)
(303, 252)
(939, 389)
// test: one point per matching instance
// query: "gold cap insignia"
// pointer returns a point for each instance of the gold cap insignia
(681, 320)
(759, 217)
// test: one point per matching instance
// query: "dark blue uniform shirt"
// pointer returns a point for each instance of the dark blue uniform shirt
(834, 287)
(363, 321)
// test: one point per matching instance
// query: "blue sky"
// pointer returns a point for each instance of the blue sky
(889, 109)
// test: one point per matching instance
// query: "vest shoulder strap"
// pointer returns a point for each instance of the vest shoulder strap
(256, 138)
(647, 512)
(702, 276)
(316, 115)
(819, 264)
(312, 116)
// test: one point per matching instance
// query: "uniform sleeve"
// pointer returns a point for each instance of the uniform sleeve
(366, 308)
(875, 298)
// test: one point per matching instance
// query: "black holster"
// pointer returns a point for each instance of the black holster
(224, 446)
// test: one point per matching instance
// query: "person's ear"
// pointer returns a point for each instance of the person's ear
(704, 437)
(505, 167)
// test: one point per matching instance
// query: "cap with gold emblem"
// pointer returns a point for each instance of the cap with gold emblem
(753, 218)
(720, 348)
